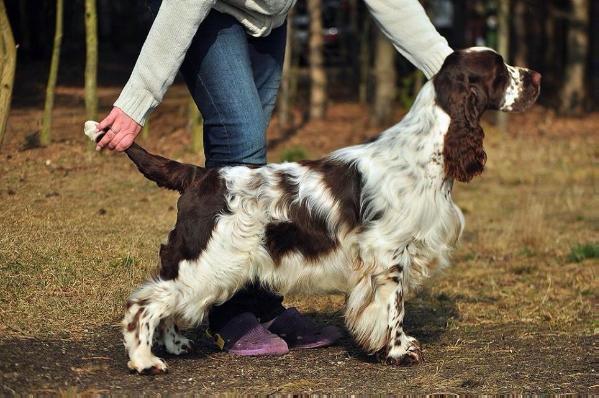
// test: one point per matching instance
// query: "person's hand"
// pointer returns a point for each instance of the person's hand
(121, 131)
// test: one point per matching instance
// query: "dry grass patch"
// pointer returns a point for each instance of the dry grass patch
(81, 230)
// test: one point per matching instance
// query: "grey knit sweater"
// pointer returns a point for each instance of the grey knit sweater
(404, 22)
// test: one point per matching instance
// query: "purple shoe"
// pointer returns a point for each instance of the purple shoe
(301, 332)
(244, 335)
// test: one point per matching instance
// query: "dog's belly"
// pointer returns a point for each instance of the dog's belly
(294, 273)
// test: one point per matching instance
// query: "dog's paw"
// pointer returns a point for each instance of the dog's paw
(154, 366)
(407, 354)
(178, 346)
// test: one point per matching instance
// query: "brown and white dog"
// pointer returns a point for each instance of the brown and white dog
(371, 221)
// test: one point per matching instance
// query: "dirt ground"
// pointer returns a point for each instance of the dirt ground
(515, 313)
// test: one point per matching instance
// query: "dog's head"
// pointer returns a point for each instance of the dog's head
(470, 82)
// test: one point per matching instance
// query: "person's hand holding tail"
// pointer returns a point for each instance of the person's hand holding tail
(121, 131)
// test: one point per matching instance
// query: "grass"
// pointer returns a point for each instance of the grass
(68, 260)
(580, 253)
(294, 154)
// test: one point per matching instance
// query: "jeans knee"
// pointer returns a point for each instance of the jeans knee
(234, 144)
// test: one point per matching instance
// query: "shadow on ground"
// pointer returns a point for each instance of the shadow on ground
(500, 359)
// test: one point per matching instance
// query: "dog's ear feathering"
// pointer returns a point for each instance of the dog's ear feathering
(463, 151)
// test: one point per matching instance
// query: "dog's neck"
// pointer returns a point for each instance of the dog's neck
(413, 147)
(419, 135)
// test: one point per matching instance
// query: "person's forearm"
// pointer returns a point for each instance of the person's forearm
(406, 24)
(161, 56)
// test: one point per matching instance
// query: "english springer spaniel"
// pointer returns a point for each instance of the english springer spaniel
(371, 221)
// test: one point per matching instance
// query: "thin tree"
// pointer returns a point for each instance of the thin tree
(503, 47)
(25, 42)
(386, 80)
(91, 60)
(196, 128)
(145, 131)
(8, 61)
(318, 77)
(519, 25)
(364, 59)
(49, 103)
(573, 93)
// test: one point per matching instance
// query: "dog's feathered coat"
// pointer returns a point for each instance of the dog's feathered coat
(371, 221)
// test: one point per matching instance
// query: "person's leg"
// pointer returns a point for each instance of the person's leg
(219, 74)
(234, 80)
(266, 57)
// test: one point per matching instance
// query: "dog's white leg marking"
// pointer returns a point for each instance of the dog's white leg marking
(375, 312)
(401, 348)
(145, 309)
(174, 342)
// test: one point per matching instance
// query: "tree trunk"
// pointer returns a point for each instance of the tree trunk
(364, 59)
(594, 49)
(91, 60)
(551, 40)
(386, 80)
(284, 105)
(8, 61)
(318, 78)
(519, 23)
(49, 104)
(25, 42)
(196, 128)
(503, 47)
(573, 93)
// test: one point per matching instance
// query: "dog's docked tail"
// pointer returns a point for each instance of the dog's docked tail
(164, 172)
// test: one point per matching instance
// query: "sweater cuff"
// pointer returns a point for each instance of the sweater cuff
(136, 103)
(436, 57)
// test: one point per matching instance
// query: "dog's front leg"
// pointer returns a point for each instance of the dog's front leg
(374, 316)
(369, 309)
(400, 349)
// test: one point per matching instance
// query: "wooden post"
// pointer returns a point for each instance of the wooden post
(8, 61)
(45, 134)
(91, 60)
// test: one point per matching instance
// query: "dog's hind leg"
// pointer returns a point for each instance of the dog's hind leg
(172, 340)
(153, 302)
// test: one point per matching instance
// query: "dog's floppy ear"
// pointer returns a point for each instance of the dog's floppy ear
(464, 102)
(474, 106)
(463, 152)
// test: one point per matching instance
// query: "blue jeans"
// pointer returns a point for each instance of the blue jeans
(234, 79)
